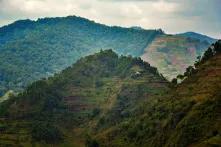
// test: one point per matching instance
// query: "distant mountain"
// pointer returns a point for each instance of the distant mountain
(30, 50)
(198, 36)
(137, 28)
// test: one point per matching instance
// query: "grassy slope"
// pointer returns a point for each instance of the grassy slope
(172, 54)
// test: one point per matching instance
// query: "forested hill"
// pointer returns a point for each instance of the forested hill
(98, 91)
(30, 50)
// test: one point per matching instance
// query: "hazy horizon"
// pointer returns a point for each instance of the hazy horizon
(172, 16)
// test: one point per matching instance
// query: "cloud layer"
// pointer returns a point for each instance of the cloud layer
(173, 16)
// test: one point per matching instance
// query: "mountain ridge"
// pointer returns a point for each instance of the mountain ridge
(199, 36)
(47, 46)
(31, 50)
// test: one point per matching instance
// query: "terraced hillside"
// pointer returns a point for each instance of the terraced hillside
(172, 54)
(98, 89)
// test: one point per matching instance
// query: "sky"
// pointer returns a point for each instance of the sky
(173, 16)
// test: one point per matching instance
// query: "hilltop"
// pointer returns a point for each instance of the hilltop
(202, 38)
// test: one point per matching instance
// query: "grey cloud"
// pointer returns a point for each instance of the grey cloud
(127, 0)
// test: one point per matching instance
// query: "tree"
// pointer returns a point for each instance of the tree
(208, 54)
(189, 71)
(197, 62)
(174, 81)
(217, 46)
(181, 77)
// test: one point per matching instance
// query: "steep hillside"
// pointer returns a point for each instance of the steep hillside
(30, 50)
(189, 115)
(98, 91)
(172, 54)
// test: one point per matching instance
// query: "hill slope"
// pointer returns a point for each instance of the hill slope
(99, 89)
(189, 115)
(172, 54)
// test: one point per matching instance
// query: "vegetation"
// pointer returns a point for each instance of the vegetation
(110, 100)
(31, 50)
(188, 115)
(213, 50)
(92, 91)
(46, 132)
(201, 38)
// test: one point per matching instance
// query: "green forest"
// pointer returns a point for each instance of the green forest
(31, 50)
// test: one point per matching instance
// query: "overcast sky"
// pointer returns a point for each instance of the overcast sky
(173, 16)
